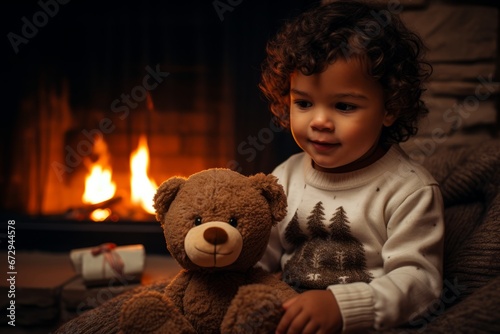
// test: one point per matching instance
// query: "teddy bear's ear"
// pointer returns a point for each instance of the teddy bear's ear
(165, 194)
(270, 188)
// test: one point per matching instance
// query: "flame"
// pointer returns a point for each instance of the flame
(142, 187)
(99, 186)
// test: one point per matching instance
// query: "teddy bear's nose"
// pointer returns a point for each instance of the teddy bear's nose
(215, 235)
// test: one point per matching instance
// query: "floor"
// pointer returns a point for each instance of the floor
(47, 291)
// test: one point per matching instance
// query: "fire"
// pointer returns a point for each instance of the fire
(142, 187)
(100, 188)
(99, 185)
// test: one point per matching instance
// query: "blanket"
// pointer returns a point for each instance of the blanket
(469, 178)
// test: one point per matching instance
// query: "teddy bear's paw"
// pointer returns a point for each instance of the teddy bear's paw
(256, 308)
(153, 313)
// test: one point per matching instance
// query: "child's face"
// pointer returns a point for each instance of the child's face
(337, 116)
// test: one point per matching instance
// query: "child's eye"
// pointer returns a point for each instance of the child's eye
(344, 106)
(301, 104)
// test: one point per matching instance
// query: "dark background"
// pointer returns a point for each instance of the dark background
(101, 48)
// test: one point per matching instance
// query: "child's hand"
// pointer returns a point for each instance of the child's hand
(313, 311)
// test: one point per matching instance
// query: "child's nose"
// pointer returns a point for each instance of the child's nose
(321, 121)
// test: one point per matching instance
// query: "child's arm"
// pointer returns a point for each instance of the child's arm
(412, 278)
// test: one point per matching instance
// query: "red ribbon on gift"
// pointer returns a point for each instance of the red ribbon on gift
(111, 257)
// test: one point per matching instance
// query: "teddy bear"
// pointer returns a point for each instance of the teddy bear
(216, 225)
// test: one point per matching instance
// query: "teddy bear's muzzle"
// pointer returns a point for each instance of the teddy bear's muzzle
(213, 244)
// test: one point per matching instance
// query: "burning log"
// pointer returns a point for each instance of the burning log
(84, 211)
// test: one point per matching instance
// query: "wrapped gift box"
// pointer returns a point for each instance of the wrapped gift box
(77, 297)
(108, 264)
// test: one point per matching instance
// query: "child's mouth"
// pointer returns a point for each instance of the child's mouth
(323, 146)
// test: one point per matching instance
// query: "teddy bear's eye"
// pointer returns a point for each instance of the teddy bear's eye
(197, 221)
(233, 222)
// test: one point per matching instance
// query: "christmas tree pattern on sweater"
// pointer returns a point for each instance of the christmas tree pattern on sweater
(327, 255)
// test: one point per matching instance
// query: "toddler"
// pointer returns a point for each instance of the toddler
(363, 238)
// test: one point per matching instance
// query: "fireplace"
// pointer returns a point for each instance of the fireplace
(109, 100)
(114, 162)
(80, 173)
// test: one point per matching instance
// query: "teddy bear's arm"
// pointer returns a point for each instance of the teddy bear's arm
(105, 318)
(177, 288)
(283, 290)
(153, 312)
(257, 307)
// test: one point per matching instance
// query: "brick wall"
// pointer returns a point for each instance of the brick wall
(49, 180)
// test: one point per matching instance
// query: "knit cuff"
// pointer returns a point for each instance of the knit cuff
(356, 304)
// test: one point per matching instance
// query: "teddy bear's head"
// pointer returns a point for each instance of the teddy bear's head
(218, 219)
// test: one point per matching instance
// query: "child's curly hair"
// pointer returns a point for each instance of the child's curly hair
(347, 29)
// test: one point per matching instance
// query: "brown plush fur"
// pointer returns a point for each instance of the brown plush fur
(206, 298)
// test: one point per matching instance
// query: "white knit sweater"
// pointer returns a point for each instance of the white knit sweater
(373, 237)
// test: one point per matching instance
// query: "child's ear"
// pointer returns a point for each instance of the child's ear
(389, 119)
